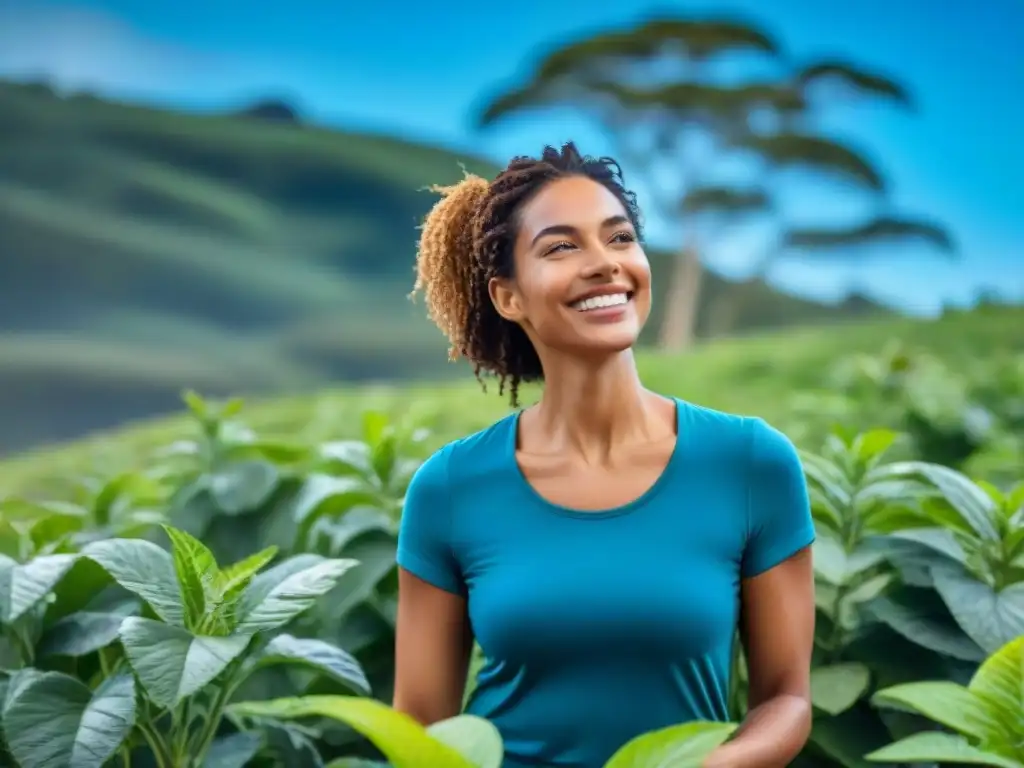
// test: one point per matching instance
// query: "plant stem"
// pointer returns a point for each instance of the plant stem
(213, 717)
(160, 751)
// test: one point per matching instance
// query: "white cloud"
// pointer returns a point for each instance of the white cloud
(80, 49)
(77, 48)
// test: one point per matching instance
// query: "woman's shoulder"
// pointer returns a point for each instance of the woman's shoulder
(472, 452)
(737, 435)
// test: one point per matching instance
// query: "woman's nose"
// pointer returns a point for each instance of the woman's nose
(600, 262)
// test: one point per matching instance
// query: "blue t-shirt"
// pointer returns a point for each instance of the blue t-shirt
(600, 626)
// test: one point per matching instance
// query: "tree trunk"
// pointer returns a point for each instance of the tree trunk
(679, 321)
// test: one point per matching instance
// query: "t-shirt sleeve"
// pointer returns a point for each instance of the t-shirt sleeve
(424, 533)
(779, 522)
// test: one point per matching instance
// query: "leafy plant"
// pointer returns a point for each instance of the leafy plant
(165, 676)
(987, 715)
(467, 741)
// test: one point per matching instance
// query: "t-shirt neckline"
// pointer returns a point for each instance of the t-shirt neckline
(600, 514)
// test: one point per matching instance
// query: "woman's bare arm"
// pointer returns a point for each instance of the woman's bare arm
(433, 641)
(777, 609)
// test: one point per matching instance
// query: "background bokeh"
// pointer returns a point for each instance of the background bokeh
(208, 223)
(224, 198)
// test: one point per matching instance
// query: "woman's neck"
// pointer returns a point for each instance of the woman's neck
(589, 408)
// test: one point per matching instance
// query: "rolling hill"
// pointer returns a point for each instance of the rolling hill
(143, 251)
(763, 374)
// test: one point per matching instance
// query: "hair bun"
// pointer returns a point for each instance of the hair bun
(445, 259)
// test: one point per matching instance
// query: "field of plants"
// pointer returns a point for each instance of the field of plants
(219, 589)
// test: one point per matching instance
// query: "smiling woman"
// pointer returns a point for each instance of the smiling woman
(603, 545)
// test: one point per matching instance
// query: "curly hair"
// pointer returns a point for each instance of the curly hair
(467, 238)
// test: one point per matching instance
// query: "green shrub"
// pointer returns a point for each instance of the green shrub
(123, 636)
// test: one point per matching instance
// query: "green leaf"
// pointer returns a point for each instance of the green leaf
(403, 741)
(1000, 683)
(969, 501)
(234, 751)
(84, 632)
(833, 564)
(23, 585)
(323, 496)
(472, 737)
(679, 746)
(144, 569)
(837, 687)
(197, 573)
(990, 618)
(171, 662)
(278, 595)
(347, 457)
(936, 747)
(238, 575)
(55, 721)
(243, 486)
(946, 703)
(319, 656)
(911, 619)
(870, 446)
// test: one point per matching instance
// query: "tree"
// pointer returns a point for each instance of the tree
(715, 149)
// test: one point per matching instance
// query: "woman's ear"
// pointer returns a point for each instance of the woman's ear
(505, 298)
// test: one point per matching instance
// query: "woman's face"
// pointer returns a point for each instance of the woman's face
(582, 282)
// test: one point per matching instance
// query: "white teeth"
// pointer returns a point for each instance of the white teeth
(598, 302)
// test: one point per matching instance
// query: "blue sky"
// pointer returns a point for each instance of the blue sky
(421, 70)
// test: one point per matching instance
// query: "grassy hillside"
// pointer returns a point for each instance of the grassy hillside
(758, 375)
(142, 251)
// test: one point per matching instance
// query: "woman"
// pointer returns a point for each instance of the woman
(602, 545)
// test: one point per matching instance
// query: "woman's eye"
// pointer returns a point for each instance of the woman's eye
(559, 246)
(623, 237)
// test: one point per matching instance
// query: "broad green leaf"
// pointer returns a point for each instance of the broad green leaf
(122, 492)
(171, 662)
(1000, 683)
(829, 560)
(836, 688)
(144, 569)
(678, 746)
(940, 540)
(934, 747)
(868, 590)
(347, 457)
(472, 737)
(278, 595)
(243, 486)
(83, 632)
(23, 585)
(870, 446)
(55, 721)
(403, 741)
(318, 655)
(325, 496)
(375, 553)
(946, 703)
(197, 572)
(990, 618)
(912, 620)
(969, 501)
(233, 751)
(844, 739)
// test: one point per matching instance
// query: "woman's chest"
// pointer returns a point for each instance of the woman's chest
(570, 587)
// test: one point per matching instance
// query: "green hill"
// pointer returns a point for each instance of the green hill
(760, 374)
(143, 251)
